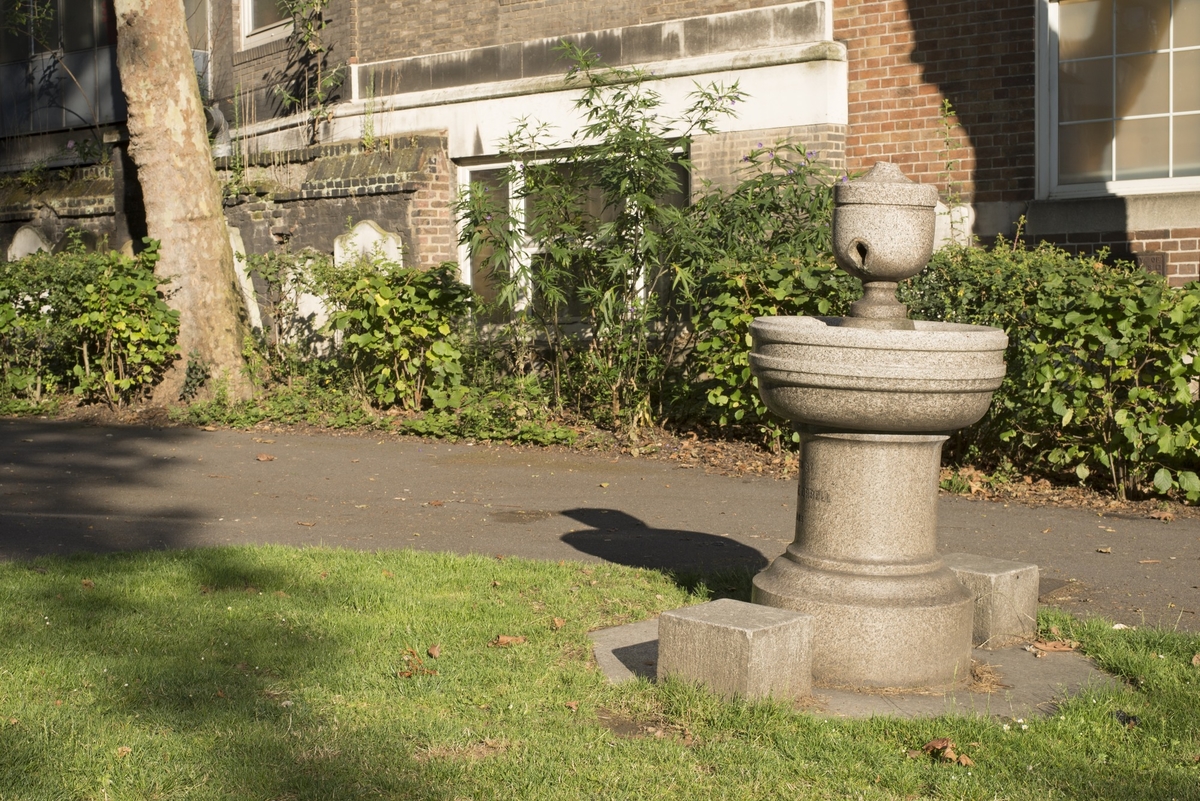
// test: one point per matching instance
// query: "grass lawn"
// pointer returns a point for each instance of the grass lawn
(275, 673)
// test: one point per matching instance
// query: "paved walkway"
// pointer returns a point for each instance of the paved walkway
(67, 488)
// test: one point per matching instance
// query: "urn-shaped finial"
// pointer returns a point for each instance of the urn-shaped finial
(882, 234)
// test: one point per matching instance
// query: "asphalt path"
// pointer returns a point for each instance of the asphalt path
(66, 488)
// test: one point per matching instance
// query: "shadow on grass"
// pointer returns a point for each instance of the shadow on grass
(201, 672)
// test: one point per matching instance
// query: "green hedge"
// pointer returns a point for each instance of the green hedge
(91, 323)
(1100, 370)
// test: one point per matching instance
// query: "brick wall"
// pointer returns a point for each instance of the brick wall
(907, 56)
(1172, 252)
(718, 158)
(305, 197)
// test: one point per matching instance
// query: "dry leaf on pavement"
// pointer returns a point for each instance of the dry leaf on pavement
(265, 457)
(1055, 645)
(1104, 550)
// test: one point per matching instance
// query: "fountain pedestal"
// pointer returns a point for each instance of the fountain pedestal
(874, 396)
(887, 612)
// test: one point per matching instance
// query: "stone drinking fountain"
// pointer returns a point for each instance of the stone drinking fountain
(874, 396)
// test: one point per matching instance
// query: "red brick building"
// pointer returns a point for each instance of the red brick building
(1078, 120)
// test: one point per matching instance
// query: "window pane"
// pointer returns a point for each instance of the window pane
(1187, 80)
(1084, 152)
(1143, 84)
(483, 282)
(264, 13)
(1142, 147)
(1085, 90)
(14, 45)
(1187, 145)
(1143, 25)
(79, 28)
(196, 12)
(45, 28)
(1187, 23)
(1084, 28)
(107, 26)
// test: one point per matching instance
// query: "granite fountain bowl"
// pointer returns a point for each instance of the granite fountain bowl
(935, 378)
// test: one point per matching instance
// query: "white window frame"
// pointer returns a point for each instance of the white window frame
(271, 33)
(516, 212)
(1046, 128)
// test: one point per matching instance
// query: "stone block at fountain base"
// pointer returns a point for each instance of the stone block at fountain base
(1006, 596)
(738, 649)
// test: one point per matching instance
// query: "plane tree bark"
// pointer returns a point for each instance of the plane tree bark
(168, 142)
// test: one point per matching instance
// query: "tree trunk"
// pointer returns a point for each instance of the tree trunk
(168, 142)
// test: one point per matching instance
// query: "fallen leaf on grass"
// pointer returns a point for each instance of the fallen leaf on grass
(1196, 660)
(434, 651)
(305, 523)
(124, 751)
(495, 584)
(414, 665)
(557, 623)
(265, 457)
(388, 574)
(505, 641)
(88, 584)
(220, 694)
(572, 705)
(965, 761)
(1104, 550)
(914, 753)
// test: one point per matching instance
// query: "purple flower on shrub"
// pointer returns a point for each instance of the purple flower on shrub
(70, 144)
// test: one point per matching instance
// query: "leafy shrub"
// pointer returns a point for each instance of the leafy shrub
(761, 249)
(590, 284)
(1100, 363)
(97, 324)
(399, 329)
(514, 409)
(127, 331)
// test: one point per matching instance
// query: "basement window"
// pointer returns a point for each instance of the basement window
(265, 21)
